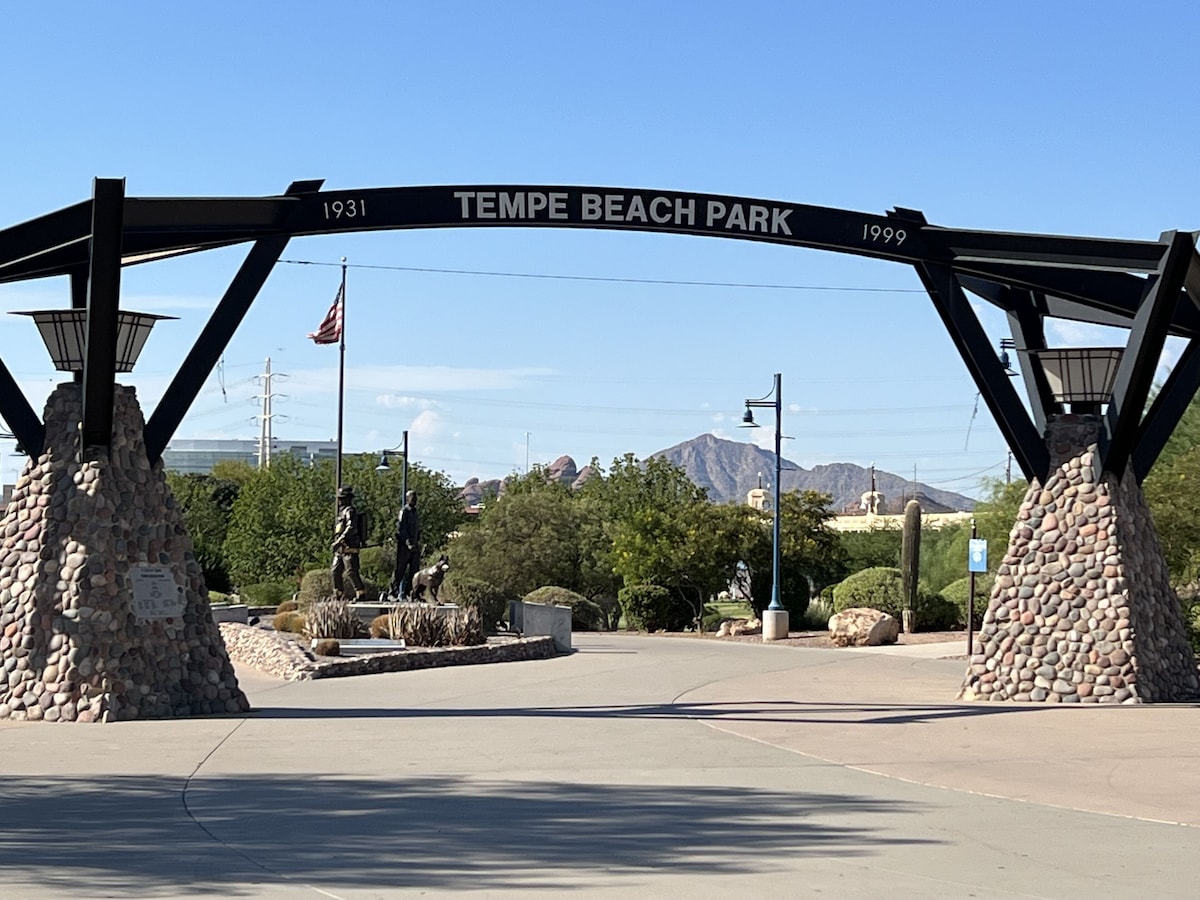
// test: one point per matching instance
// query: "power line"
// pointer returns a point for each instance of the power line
(612, 279)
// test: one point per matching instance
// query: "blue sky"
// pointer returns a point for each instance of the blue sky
(1056, 118)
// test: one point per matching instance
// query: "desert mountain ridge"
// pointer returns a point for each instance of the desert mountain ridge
(728, 470)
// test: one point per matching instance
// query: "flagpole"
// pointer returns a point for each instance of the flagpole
(341, 380)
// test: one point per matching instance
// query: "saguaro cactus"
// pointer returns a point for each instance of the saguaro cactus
(910, 562)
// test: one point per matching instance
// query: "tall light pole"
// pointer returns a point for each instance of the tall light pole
(774, 399)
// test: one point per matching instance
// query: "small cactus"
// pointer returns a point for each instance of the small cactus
(293, 622)
(328, 647)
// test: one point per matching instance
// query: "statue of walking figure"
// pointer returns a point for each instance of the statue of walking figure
(408, 547)
(347, 543)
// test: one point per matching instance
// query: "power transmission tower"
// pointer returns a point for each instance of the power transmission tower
(267, 416)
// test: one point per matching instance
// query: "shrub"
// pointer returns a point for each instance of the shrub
(817, 616)
(328, 647)
(333, 619)
(880, 587)
(266, 593)
(317, 584)
(474, 593)
(956, 592)
(651, 607)
(935, 612)
(287, 606)
(289, 621)
(586, 615)
(218, 597)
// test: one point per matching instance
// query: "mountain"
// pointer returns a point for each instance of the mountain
(729, 469)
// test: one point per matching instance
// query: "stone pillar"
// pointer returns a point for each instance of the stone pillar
(75, 643)
(1082, 609)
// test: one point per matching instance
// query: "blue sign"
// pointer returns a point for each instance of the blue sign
(977, 555)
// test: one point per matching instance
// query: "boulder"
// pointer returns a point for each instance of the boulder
(862, 627)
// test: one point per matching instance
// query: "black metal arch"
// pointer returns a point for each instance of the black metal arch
(1151, 287)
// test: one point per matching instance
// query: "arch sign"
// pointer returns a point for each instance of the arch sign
(1150, 287)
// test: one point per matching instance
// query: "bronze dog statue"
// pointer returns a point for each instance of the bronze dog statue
(429, 581)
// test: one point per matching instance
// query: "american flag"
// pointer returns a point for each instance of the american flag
(330, 329)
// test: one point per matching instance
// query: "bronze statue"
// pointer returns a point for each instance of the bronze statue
(408, 547)
(430, 581)
(347, 542)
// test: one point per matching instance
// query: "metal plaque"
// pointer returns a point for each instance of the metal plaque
(155, 593)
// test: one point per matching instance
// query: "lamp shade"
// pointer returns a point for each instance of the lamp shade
(1080, 374)
(65, 334)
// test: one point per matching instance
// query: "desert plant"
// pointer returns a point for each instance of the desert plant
(817, 616)
(464, 628)
(293, 622)
(586, 615)
(910, 561)
(287, 606)
(266, 593)
(328, 647)
(651, 607)
(418, 625)
(475, 593)
(333, 619)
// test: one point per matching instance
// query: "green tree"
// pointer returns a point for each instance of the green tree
(281, 522)
(691, 550)
(869, 549)
(523, 540)
(810, 553)
(205, 502)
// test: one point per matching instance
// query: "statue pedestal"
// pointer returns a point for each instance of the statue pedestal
(1082, 610)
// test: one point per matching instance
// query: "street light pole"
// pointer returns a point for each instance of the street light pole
(774, 399)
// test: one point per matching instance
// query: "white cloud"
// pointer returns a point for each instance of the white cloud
(399, 401)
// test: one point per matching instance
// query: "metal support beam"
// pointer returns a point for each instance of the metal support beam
(1135, 373)
(1029, 334)
(103, 296)
(1167, 409)
(216, 335)
(1023, 438)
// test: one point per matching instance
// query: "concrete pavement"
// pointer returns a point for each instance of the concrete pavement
(635, 766)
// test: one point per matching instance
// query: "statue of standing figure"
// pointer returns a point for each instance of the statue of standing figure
(408, 547)
(347, 542)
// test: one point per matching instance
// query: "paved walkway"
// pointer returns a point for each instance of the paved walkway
(637, 766)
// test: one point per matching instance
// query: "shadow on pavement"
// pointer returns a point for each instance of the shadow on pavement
(140, 836)
(796, 712)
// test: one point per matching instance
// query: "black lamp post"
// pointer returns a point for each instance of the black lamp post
(384, 467)
(748, 422)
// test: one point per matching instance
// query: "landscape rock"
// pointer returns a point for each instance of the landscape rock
(863, 627)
